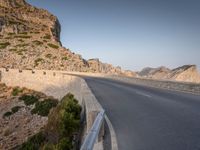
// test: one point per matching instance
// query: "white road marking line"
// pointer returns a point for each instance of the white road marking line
(143, 94)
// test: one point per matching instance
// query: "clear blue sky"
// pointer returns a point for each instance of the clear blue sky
(130, 33)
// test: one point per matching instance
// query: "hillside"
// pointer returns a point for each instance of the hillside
(30, 39)
(154, 73)
(186, 73)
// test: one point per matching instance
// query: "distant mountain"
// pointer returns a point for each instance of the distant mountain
(186, 73)
(30, 39)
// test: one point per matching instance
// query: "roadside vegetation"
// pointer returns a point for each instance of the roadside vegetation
(61, 129)
(16, 91)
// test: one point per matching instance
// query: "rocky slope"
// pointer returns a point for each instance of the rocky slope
(186, 73)
(30, 39)
(17, 123)
(154, 73)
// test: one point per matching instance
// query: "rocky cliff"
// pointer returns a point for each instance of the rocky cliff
(186, 73)
(30, 39)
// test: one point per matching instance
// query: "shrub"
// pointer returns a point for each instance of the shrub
(38, 60)
(13, 50)
(22, 45)
(7, 114)
(48, 55)
(42, 108)
(53, 46)
(65, 58)
(49, 146)
(64, 144)
(47, 36)
(64, 120)
(4, 45)
(37, 42)
(16, 91)
(55, 57)
(29, 99)
(34, 142)
(11, 33)
(15, 109)
(25, 33)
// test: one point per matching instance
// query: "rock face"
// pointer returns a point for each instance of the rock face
(154, 73)
(30, 39)
(21, 124)
(186, 73)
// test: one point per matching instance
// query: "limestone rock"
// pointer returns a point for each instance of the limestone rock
(186, 73)
(30, 39)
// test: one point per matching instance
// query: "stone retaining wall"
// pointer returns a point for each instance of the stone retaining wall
(56, 84)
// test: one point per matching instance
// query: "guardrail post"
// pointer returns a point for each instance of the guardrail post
(95, 133)
(91, 118)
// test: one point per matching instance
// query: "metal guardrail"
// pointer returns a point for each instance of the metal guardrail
(91, 138)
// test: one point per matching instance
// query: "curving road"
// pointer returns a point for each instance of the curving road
(147, 118)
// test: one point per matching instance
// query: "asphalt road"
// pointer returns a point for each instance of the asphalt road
(147, 118)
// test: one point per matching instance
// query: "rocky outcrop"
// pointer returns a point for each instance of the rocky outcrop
(154, 73)
(186, 73)
(19, 124)
(30, 39)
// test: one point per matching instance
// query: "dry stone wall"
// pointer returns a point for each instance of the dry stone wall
(52, 83)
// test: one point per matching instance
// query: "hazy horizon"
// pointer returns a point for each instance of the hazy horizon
(132, 34)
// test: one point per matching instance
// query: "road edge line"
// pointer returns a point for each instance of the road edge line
(112, 134)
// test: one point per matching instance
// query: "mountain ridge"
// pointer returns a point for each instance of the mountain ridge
(30, 39)
(185, 73)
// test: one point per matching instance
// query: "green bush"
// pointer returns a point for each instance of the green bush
(15, 109)
(22, 45)
(16, 91)
(13, 50)
(53, 46)
(29, 99)
(47, 36)
(34, 142)
(38, 60)
(37, 42)
(11, 33)
(65, 58)
(7, 114)
(14, 22)
(48, 55)
(42, 108)
(25, 33)
(63, 122)
(64, 144)
(4, 45)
